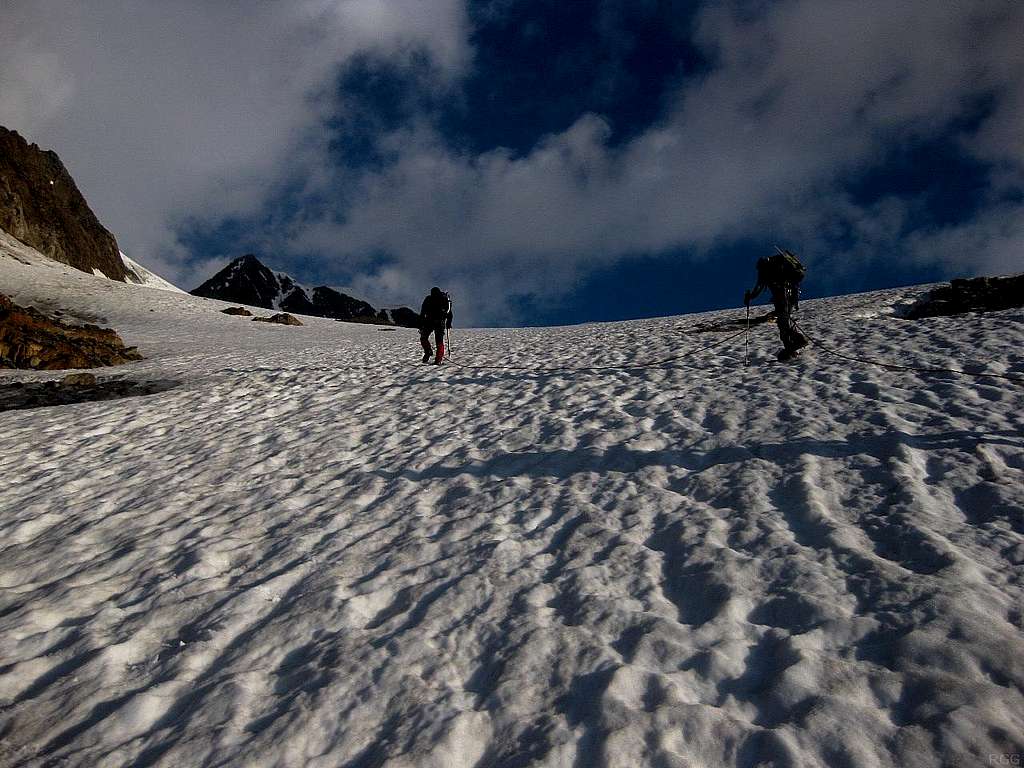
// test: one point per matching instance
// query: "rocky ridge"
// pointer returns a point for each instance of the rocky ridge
(41, 206)
(246, 280)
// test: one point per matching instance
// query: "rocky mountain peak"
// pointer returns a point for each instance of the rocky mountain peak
(41, 206)
(246, 280)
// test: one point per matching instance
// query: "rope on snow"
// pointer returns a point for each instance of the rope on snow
(896, 367)
(616, 367)
(659, 363)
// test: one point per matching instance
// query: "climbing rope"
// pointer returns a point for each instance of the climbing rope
(896, 367)
(675, 358)
(614, 367)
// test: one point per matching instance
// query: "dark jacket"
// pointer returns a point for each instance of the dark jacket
(775, 273)
(436, 311)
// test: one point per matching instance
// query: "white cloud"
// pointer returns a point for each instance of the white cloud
(34, 86)
(163, 110)
(801, 95)
(992, 244)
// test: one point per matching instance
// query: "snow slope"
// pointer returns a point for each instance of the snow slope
(139, 275)
(316, 552)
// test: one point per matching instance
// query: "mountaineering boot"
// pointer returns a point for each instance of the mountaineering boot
(790, 353)
(440, 354)
(426, 356)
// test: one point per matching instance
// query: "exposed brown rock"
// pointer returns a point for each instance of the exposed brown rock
(41, 206)
(78, 380)
(240, 311)
(29, 339)
(281, 318)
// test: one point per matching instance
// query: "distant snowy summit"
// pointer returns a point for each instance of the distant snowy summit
(246, 280)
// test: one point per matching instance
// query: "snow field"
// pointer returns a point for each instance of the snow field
(315, 551)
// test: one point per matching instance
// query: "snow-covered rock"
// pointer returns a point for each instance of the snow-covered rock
(317, 552)
(139, 275)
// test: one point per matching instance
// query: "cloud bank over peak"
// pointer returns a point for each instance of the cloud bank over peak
(166, 111)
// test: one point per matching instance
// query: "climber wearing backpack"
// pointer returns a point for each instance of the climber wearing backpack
(435, 317)
(782, 273)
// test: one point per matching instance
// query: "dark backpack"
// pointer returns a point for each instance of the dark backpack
(436, 308)
(788, 267)
(448, 308)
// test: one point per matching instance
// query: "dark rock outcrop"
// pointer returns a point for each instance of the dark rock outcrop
(328, 302)
(46, 394)
(246, 280)
(240, 311)
(402, 316)
(41, 206)
(281, 318)
(29, 339)
(979, 294)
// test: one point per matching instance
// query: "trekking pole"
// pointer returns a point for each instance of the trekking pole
(746, 340)
(448, 333)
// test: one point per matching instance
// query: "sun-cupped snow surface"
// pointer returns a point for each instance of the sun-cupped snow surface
(315, 551)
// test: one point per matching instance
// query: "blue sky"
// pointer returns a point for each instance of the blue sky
(547, 162)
